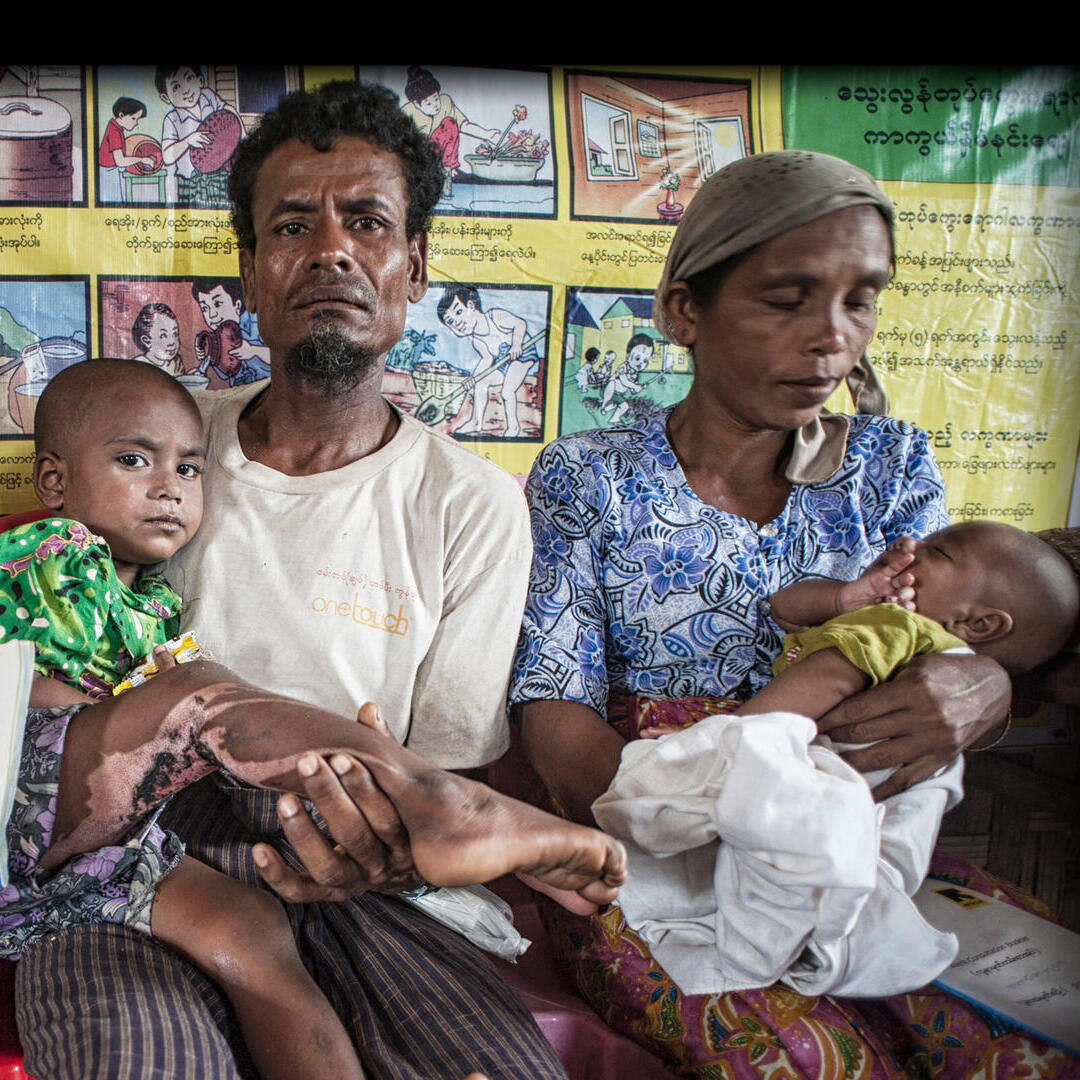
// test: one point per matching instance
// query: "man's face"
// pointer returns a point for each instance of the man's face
(182, 88)
(461, 318)
(332, 263)
(217, 306)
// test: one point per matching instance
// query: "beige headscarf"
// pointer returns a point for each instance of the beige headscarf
(754, 200)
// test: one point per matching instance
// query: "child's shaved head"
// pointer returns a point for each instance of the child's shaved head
(73, 396)
(1026, 577)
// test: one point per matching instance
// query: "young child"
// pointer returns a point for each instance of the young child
(787, 869)
(156, 331)
(112, 157)
(119, 453)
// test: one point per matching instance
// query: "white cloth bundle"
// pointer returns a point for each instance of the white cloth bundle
(756, 853)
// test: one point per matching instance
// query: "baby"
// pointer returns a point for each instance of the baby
(787, 869)
(119, 459)
(998, 590)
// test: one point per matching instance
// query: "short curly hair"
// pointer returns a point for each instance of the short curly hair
(318, 117)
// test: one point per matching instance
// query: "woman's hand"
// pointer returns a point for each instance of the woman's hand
(372, 849)
(934, 708)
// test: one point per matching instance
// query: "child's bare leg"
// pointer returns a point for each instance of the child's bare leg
(241, 938)
(123, 757)
(462, 832)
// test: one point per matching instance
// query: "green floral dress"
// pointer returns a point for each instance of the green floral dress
(59, 589)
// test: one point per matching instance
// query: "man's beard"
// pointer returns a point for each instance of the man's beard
(329, 361)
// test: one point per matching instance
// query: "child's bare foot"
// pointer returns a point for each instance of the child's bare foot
(462, 833)
(572, 901)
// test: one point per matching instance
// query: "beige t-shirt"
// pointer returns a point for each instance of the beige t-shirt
(399, 579)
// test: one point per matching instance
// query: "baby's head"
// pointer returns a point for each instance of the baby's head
(119, 447)
(1004, 591)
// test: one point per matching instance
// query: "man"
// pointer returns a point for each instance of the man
(221, 301)
(503, 357)
(347, 553)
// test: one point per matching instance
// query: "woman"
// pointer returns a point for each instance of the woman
(657, 544)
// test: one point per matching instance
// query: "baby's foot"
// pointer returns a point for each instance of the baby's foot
(462, 833)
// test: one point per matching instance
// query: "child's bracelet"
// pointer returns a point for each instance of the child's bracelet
(990, 746)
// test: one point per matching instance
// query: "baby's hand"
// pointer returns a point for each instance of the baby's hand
(884, 581)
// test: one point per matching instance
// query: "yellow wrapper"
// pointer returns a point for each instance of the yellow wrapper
(185, 648)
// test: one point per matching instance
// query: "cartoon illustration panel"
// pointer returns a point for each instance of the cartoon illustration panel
(492, 129)
(44, 327)
(166, 135)
(472, 360)
(616, 364)
(42, 141)
(196, 329)
(643, 145)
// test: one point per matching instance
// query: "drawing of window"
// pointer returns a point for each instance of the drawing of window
(718, 141)
(252, 90)
(648, 139)
(609, 155)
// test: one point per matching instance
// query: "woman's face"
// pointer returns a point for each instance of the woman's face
(429, 106)
(790, 321)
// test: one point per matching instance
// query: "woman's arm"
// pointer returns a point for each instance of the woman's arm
(574, 751)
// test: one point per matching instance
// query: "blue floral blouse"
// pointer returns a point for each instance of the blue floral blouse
(639, 587)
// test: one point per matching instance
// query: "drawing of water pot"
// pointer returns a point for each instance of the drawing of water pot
(35, 150)
(39, 362)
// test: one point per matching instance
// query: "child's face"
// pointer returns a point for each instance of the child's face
(128, 120)
(163, 341)
(182, 88)
(949, 569)
(217, 306)
(460, 318)
(134, 476)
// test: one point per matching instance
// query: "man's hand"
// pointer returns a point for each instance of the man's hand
(372, 849)
(927, 714)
